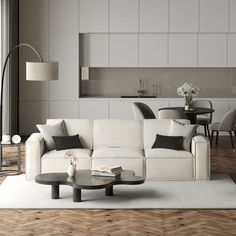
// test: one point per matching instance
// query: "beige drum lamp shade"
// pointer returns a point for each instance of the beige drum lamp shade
(41, 71)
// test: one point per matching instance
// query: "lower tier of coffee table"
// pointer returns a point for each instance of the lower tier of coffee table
(55, 192)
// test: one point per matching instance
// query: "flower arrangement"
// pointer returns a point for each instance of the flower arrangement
(71, 156)
(187, 90)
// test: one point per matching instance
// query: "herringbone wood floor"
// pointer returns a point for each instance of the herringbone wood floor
(127, 222)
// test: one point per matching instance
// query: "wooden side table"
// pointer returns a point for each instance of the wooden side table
(11, 163)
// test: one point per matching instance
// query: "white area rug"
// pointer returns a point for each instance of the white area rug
(220, 192)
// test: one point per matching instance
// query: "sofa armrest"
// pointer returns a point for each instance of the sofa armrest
(34, 149)
(201, 152)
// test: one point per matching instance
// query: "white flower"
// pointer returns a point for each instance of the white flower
(187, 90)
(71, 155)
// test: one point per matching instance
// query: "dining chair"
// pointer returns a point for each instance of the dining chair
(227, 124)
(171, 114)
(235, 130)
(142, 111)
(204, 119)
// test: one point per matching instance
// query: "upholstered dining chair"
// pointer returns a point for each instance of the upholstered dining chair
(171, 114)
(235, 130)
(227, 124)
(142, 111)
(204, 119)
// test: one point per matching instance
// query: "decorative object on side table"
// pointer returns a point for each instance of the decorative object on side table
(16, 139)
(188, 92)
(6, 139)
(72, 167)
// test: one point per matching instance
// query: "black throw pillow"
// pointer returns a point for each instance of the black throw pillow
(169, 142)
(67, 142)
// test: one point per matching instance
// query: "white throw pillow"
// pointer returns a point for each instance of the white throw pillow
(185, 130)
(48, 131)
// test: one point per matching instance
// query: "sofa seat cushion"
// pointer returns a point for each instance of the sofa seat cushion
(117, 152)
(79, 153)
(166, 153)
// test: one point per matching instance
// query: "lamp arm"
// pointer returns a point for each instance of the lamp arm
(4, 69)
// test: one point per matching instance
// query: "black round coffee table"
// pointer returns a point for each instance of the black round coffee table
(84, 180)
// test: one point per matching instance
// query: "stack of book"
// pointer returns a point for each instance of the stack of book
(107, 171)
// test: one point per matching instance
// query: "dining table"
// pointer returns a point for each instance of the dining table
(192, 113)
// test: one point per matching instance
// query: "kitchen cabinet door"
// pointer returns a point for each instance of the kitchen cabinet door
(232, 50)
(232, 16)
(214, 16)
(182, 50)
(94, 50)
(153, 50)
(93, 109)
(123, 50)
(153, 16)
(93, 16)
(212, 50)
(184, 16)
(123, 16)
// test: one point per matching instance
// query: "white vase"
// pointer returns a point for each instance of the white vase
(71, 170)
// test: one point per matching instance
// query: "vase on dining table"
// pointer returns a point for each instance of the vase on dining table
(188, 103)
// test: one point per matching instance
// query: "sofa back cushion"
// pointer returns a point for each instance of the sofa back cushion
(118, 133)
(156, 126)
(82, 127)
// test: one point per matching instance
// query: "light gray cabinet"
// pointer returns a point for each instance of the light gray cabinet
(123, 16)
(122, 109)
(153, 16)
(94, 50)
(158, 33)
(123, 50)
(93, 109)
(212, 50)
(153, 50)
(232, 16)
(184, 16)
(183, 50)
(232, 50)
(93, 16)
(214, 16)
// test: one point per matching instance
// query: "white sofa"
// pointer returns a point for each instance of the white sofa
(122, 142)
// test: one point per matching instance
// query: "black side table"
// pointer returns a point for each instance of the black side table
(10, 163)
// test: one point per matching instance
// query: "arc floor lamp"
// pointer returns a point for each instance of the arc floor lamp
(35, 71)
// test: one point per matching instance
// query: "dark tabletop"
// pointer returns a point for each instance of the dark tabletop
(84, 180)
(196, 110)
